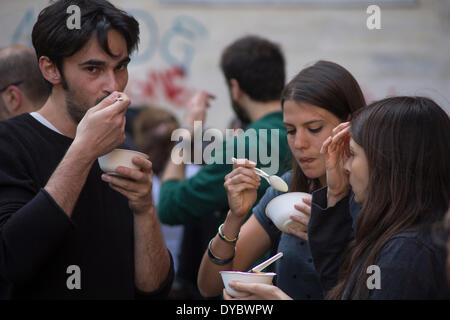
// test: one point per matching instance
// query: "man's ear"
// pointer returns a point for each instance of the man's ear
(235, 90)
(12, 98)
(49, 70)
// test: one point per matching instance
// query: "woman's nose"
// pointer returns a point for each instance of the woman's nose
(301, 140)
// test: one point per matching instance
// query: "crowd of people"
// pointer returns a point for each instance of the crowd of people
(377, 175)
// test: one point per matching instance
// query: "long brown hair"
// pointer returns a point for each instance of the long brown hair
(329, 86)
(407, 144)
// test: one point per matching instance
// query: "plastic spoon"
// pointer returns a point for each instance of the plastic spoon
(266, 263)
(275, 181)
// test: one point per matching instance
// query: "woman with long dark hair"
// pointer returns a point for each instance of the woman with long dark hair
(314, 102)
(397, 163)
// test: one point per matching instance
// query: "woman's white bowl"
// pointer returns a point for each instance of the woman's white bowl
(247, 277)
(119, 157)
(280, 208)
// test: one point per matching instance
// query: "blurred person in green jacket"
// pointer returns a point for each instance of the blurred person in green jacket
(254, 70)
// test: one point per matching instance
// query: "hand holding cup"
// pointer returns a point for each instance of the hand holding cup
(103, 126)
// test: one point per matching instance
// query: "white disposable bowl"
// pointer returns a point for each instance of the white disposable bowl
(248, 277)
(280, 208)
(119, 157)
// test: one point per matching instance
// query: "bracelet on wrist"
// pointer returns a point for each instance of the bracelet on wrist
(216, 260)
(224, 238)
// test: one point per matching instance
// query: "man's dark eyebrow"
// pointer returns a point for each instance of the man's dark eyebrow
(124, 61)
(93, 62)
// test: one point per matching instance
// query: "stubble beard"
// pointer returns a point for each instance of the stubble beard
(240, 112)
(76, 107)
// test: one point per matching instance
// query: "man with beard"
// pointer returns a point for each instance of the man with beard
(254, 71)
(67, 231)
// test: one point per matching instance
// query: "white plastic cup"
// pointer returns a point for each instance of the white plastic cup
(280, 208)
(119, 157)
(247, 277)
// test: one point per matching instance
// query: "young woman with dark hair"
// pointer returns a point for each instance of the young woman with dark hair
(314, 102)
(399, 171)
(331, 87)
(394, 157)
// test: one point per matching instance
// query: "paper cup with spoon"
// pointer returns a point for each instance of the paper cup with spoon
(252, 276)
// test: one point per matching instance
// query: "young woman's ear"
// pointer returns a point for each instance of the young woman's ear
(49, 70)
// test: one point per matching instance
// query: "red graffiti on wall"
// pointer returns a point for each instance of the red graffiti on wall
(160, 86)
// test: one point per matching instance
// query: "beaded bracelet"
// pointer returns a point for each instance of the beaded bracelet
(218, 261)
(224, 238)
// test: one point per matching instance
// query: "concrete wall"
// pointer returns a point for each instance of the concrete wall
(409, 55)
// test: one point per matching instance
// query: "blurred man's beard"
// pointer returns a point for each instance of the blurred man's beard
(76, 108)
(241, 113)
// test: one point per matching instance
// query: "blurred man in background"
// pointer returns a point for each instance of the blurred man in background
(22, 87)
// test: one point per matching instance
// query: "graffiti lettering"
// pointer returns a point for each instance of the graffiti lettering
(164, 85)
(184, 32)
(177, 47)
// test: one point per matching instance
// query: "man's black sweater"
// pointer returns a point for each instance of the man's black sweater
(39, 242)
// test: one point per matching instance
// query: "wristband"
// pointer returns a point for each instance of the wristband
(218, 261)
